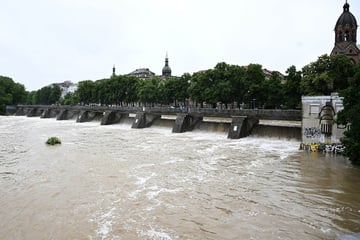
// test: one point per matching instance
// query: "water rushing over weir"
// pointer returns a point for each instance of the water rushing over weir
(114, 182)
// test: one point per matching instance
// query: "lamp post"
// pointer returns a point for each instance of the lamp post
(254, 99)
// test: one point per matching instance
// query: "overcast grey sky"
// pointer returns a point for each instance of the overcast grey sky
(47, 41)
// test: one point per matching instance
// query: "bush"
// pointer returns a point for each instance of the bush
(53, 141)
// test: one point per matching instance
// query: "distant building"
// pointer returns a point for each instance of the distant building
(66, 87)
(166, 71)
(113, 71)
(143, 73)
(345, 35)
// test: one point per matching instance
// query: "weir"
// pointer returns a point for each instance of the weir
(236, 126)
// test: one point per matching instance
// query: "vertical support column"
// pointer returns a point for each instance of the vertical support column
(241, 126)
(144, 120)
(32, 112)
(45, 113)
(185, 122)
(182, 123)
(63, 115)
(110, 117)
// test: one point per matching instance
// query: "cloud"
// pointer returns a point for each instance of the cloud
(52, 41)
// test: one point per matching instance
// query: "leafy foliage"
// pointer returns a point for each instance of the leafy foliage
(350, 115)
(11, 93)
(326, 75)
(53, 141)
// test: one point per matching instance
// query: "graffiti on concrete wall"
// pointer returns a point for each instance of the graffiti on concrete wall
(312, 132)
(321, 147)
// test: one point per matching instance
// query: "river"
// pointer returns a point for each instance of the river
(114, 182)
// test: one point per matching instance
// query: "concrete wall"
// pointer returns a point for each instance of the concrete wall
(318, 113)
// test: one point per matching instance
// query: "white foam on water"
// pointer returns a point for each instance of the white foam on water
(105, 224)
(156, 235)
(154, 192)
(143, 180)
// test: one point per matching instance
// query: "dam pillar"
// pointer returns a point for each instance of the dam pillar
(46, 113)
(20, 111)
(185, 122)
(110, 117)
(144, 120)
(241, 126)
(88, 116)
(63, 115)
(83, 117)
(33, 112)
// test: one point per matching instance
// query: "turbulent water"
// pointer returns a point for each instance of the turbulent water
(114, 182)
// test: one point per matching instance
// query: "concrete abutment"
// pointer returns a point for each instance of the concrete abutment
(144, 120)
(241, 126)
(185, 122)
(111, 117)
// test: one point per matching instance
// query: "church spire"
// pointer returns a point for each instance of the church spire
(166, 60)
(113, 71)
(346, 6)
(346, 35)
(166, 71)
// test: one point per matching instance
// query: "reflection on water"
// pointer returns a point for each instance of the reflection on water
(114, 182)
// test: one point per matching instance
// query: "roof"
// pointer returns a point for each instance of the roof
(346, 18)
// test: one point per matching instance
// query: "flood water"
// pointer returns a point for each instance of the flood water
(114, 182)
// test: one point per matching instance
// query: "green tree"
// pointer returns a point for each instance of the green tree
(148, 91)
(274, 90)
(326, 75)
(350, 116)
(47, 95)
(175, 89)
(31, 98)
(341, 69)
(255, 86)
(87, 92)
(198, 85)
(236, 76)
(130, 84)
(69, 99)
(292, 92)
(55, 94)
(11, 93)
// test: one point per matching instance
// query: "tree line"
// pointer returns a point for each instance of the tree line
(226, 84)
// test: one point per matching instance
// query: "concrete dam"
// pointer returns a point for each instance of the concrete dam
(235, 123)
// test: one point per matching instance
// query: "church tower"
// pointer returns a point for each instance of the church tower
(166, 71)
(345, 35)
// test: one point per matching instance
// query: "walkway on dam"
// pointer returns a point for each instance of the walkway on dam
(262, 114)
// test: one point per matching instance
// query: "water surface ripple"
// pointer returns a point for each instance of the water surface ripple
(114, 182)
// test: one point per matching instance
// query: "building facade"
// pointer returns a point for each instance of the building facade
(143, 73)
(346, 35)
(319, 114)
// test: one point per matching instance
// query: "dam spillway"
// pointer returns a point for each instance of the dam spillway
(282, 124)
